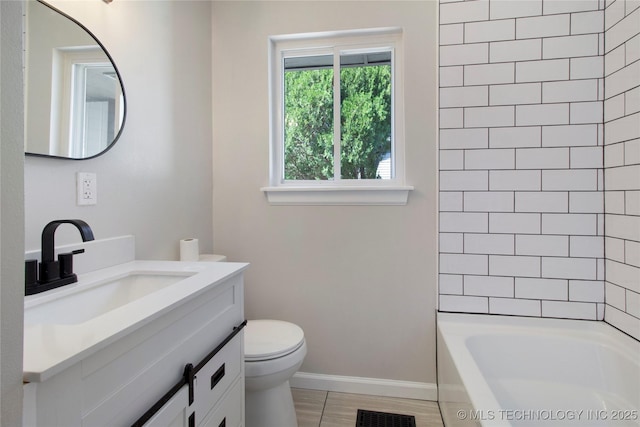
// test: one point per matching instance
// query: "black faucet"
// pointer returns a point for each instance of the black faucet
(54, 274)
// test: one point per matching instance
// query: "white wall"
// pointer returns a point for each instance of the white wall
(11, 214)
(360, 281)
(622, 165)
(156, 181)
(521, 158)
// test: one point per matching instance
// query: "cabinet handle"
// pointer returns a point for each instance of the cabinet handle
(223, 423)
(217, 376)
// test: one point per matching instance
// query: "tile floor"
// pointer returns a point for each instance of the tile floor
(316, 408)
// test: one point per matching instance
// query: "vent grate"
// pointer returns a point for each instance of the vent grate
(384, 419)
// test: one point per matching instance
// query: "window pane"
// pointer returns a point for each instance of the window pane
(308, 118)
(365, 116)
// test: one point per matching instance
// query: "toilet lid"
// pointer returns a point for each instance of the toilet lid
(269, 339)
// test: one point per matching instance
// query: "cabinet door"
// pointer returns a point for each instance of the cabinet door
(175, 413)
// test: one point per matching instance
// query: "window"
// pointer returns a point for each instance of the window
(87, 103)
(336, 118)
(96, 112)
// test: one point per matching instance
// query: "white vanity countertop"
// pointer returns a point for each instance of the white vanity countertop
(50, 348)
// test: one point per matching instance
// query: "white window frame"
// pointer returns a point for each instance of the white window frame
(68, 93)
(338, 191)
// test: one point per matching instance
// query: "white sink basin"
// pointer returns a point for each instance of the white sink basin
(83, 301)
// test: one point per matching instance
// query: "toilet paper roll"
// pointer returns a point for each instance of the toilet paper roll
(189, 250)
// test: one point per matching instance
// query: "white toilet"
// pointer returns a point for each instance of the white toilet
(274, 351)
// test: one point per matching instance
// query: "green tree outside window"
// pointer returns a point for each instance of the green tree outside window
(365, 122)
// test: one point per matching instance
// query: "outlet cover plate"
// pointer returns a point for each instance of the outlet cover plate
(87, 188)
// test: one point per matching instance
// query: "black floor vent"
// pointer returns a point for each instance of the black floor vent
(384, 419)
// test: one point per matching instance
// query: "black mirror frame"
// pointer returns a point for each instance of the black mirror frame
(124, 96)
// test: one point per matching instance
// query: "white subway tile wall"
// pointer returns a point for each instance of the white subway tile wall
(622, 167)
(521, 157)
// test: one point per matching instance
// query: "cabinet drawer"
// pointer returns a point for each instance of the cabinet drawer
(216, 376)
(229, 411)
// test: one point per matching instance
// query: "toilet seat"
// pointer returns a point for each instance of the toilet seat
(271, 339)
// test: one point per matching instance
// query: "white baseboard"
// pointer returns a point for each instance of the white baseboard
(361, 385)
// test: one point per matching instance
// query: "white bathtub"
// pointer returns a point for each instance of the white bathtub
(522, 371)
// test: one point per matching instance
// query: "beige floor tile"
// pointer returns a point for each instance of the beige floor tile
(341, 409)
(309, 406)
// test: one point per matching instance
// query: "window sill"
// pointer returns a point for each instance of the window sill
(338, 195)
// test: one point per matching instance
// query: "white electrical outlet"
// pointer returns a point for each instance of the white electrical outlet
(87, 188)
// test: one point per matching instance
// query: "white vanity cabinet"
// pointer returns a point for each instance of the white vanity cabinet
(118, 383)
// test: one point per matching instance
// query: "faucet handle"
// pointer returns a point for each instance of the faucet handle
(30, 273)
(66, 263)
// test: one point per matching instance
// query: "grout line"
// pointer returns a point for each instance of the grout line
(324, 405)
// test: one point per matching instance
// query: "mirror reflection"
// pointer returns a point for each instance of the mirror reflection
(74, 98)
